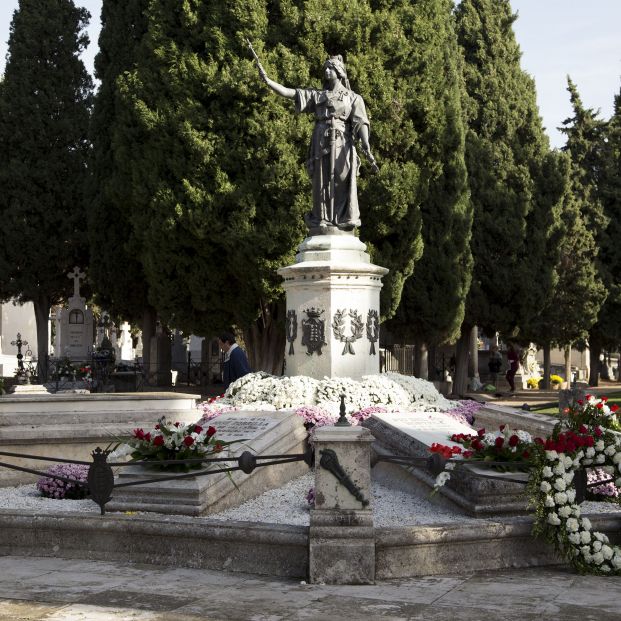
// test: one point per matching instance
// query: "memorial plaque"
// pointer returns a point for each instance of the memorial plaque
(426, 427)
(230, 427)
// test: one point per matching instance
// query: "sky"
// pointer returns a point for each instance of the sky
(558, 38)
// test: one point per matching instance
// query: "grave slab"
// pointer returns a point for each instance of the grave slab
(260, 432)
(71, 426)
(411, 434)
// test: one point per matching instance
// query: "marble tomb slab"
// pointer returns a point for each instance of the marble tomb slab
(411, 434)
(261, 432)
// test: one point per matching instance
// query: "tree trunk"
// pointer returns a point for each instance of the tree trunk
(473, 362)
(421, 360)
(460, 381)
(265, 340)
(432, 370)
(42, 314)
(568, 364)
(149, 318)
(595, 350)
(547, 363)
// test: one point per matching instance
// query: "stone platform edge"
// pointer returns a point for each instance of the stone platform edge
(275, 549)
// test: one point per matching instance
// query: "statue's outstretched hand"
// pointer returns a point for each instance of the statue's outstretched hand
(262, 73)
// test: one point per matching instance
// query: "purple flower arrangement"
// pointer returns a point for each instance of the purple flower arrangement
(465, 412)
(55, 488)
(362, 415)
(316, 416)
(608, 489)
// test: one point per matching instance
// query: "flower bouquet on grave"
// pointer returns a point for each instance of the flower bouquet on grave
(173, 442)
(592, 412)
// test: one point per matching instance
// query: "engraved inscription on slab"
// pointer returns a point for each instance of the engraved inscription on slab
(242, 427)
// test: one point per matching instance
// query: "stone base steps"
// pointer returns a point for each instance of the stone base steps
(275, 550)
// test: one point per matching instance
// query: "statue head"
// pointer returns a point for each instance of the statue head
(336, 63)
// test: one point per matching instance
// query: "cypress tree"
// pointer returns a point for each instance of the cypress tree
(506, 154)
(219, 184)
(44, 112)
(606, 332)
(115, 269)
(594, 148)
(432, 305)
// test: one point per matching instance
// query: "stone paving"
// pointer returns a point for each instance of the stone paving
(76, 590)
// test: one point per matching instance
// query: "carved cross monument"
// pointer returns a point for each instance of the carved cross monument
(77, 275)
(74, 324)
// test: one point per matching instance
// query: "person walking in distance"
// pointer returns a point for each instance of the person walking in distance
(513, 358)
(235, 361)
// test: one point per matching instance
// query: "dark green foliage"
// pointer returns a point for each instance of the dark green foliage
(581, 291)
(219, 186)
(44, 108)
(507, 158)
(115, 268)
(432, 304)
(608, 326)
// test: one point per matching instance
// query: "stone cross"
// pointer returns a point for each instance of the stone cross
(77, 275)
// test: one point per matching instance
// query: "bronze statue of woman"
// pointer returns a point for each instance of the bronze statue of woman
(333, 164)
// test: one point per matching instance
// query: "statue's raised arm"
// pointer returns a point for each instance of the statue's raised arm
(333, 164)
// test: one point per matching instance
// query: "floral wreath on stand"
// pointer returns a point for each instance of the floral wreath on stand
(584, 439)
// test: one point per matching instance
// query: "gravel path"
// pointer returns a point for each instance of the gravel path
(287, 505)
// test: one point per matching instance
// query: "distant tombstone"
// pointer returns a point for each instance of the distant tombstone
(179, 351)
(74, 324)
(126, 350)
(139, 345)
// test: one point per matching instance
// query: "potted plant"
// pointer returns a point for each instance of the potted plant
(556, 381)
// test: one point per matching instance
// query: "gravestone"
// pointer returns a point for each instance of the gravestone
(74, 324)
(125, 349)
(412, 434)
(271, 433)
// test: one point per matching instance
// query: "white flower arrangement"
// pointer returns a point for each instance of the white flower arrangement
(558, 517)
(391, 390)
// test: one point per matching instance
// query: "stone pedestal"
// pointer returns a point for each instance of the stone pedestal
(341, 534)
(333, 294)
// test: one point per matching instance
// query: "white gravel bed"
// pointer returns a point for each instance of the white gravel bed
(287, 505)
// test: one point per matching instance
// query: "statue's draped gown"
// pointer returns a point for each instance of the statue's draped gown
(333, 162)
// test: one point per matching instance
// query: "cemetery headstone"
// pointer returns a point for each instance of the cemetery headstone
(74, 324)
(126, 350)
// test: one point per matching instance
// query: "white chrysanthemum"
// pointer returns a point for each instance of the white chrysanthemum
(599, 446)
(560, 484)
(559, 468)
(560, 498)
(574, 538)
(545, 487)
(586, 523)
(571, 495)
(549, 502)
(607, 552)
(565, 511)
(590, 452)
(569, 462)
(610, 450)
(547, 472)
(553, 519)
(597, 546)
(572, 525)
(551, 455)
(598, 558)
(585, 536)
(600, 459)
(524, 436)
